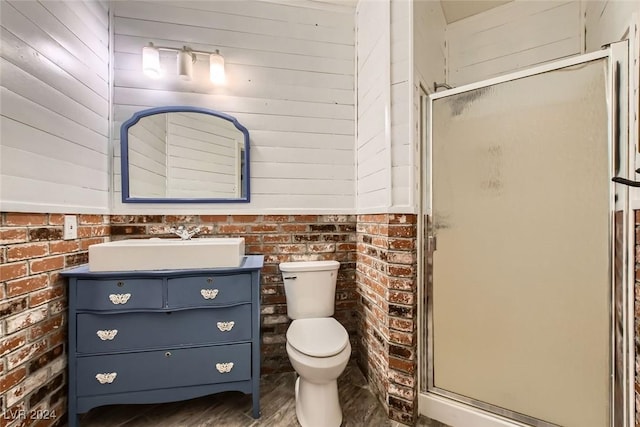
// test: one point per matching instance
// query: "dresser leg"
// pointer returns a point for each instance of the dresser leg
(256, 405)
(73, 419)
(72, 405)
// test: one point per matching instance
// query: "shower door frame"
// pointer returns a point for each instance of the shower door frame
(460, 411)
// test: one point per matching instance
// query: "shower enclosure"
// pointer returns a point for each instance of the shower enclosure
(526, 289)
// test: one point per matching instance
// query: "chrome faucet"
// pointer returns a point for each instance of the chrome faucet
(183, 233)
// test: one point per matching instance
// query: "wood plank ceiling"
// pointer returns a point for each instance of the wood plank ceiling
(455, 10)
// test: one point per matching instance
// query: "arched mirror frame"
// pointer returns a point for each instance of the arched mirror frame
(124, 156)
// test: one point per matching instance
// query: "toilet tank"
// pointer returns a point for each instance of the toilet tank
(310, 288)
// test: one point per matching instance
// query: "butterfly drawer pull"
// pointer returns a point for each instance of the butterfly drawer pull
(106, 378)
(107, 335)
(226, 326)
(209, 293)
(224, 368)
(119, 298)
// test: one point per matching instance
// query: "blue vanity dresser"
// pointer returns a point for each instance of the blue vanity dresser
(163, 335)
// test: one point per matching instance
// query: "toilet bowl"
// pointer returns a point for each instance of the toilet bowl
(319, 350)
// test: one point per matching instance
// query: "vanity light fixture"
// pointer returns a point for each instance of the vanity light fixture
(185, 60)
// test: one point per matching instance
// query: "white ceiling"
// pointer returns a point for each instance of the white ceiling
(455, 10)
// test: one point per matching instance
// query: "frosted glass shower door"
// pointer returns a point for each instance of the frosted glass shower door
(521, 291)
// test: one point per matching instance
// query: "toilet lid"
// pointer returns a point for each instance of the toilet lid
(321, 337)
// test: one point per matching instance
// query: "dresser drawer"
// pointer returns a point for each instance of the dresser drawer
(124, 294)
(163, 369)
(209, 290)
(100, 333)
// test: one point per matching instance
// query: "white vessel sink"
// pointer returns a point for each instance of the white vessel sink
(166, 254)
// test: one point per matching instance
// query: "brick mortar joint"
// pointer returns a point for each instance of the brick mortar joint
(401, 305)
(413, 332)
(403, 399)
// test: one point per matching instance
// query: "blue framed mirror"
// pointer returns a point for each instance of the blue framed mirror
(183, 154)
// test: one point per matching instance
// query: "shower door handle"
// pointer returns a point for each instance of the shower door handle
(625, 181)
(432, 243)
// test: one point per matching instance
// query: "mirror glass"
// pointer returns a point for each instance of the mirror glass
(182, 155)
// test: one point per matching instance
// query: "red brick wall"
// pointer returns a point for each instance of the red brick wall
(378, 307)
(387, 296)
(33, 312)
(280, 238)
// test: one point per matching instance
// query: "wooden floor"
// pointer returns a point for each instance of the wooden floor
(233, 409)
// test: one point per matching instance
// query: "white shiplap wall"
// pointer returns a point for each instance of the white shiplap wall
(511, 37)
(402, 159)
(389, 39)
(54, 62)
(428, 43)
(290, 81)
(373, 142)
(607, 21)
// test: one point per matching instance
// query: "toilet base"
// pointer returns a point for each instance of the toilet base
(317, 405)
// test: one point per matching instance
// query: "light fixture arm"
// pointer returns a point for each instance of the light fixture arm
(194, 52)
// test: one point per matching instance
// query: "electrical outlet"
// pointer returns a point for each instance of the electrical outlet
(70, 227)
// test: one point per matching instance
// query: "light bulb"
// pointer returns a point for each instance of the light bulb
(216, 68)
(151, 61)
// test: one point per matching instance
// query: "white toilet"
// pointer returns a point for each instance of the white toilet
(317, 345)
